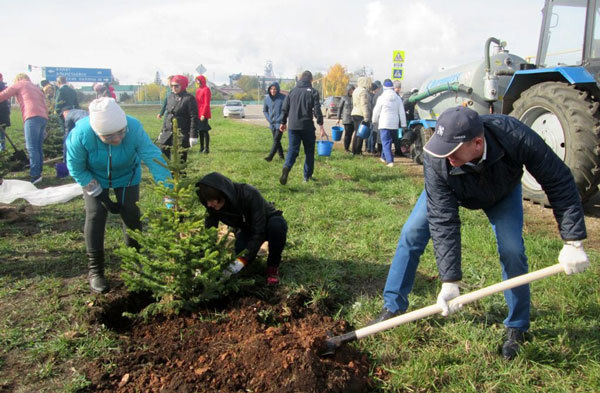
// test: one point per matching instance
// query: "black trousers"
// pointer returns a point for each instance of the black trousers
(275, 234)
(96, 214)
(348, 131)
(357, 142)
(276, 146)
(185, 143)
(204, 140)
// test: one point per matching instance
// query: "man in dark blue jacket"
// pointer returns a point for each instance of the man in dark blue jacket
(300, 106)
(477, 162)
(272, 111)
(66, 98)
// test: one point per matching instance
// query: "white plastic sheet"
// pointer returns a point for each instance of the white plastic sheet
(11, 190)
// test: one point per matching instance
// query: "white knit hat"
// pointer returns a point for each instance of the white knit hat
(106, 116)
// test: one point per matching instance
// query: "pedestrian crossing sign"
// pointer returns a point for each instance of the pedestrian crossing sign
(398, 56)
(397, 73)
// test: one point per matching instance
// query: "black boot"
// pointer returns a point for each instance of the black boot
(284, 175)
(206, 142)
(98, 283)
(512, 344)
(383, 315)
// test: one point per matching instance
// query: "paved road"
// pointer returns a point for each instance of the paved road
(254, 115)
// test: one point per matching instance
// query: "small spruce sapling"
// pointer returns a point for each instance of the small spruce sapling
(179, 260)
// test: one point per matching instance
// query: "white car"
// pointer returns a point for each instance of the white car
(234, 108)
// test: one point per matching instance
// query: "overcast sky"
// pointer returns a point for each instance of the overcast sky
(137, 38)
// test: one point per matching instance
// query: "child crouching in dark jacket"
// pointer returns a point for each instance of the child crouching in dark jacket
(242, 207)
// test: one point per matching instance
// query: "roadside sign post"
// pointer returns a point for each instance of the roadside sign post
(398, 65)
(77, 74)
(201, 69)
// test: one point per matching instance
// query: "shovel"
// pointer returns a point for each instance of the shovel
(334, 343)
(18, 156)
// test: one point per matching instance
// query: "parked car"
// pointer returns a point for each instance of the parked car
(330, 106)
(234, 108)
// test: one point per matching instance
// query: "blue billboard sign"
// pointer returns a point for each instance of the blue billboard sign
(77, 74)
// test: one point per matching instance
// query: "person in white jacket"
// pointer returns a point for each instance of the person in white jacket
(389, 114)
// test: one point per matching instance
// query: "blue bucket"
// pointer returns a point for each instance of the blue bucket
(336, 133)
(363, 131)
(61, 170)
(400, 132)
(324, 148)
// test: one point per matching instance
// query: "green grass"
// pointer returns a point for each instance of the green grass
(343, 231)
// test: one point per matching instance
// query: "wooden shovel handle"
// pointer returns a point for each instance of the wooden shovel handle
(463, 299)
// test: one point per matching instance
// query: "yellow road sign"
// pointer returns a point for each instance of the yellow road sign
(398, 56)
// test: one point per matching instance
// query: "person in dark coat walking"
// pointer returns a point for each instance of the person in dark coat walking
(272, 110)
(181, 106)
(299, 107)
(477, 162)
(241, 206)
(374, 138)
(4, 116)
(344, 115)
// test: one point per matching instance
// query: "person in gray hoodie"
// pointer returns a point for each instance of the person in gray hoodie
(345, 117)
(272, 111)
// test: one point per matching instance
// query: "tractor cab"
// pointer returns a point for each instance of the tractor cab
(570, 35)
(559, 98)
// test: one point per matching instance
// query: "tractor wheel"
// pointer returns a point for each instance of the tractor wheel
(569, 122)
(416, 148)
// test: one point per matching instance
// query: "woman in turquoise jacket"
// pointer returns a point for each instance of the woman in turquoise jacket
(105, 151)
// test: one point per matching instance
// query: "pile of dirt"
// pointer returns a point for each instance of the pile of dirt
(249, 346)
(10, 214)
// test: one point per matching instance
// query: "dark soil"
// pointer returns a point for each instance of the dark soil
(10, 214)
(250, 345)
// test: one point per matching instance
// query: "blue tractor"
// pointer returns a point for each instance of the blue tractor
(558, 96)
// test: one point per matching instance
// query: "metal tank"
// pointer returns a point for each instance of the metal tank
(479, 85)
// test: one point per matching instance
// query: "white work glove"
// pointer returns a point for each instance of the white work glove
(572, 257)
(93, 188)
(449, 291)
(234, 267)
(193, 141)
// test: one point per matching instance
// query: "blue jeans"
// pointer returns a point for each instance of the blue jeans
(34, 137)
(372, 141)
(506, 218)
(308, 139)
(276, 146)
(2, 137)
(386, 142)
